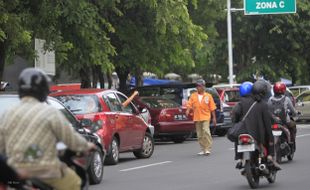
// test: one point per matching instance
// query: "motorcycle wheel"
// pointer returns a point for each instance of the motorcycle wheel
(272, 177)
(251, 176)
(278, 153)
(291, 156)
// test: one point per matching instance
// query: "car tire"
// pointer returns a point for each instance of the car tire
(113, 156)
(95, 170)
(147, 147)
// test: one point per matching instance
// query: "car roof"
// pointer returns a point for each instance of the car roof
(80, 91)
(299, 86)
(174, 85)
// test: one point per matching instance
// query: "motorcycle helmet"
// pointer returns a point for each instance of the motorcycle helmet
(245, 89)
(33, 82)
(279, 88)
(261, 90)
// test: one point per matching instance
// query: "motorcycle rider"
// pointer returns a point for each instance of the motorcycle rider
(245, 91)
(258, 121)
(30, 130)
(280, 100)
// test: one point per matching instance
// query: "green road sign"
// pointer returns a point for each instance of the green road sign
(256, 7)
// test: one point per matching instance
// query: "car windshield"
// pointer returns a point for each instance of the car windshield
(80, 104)
(159, 103)
(232, 96)
(7, 102)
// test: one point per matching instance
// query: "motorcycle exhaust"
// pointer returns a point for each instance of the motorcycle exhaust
(263, 168)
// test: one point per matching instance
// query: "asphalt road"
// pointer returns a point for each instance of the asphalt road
(177, 167)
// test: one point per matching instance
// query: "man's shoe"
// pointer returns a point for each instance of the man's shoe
(201, 153)
(207, 153)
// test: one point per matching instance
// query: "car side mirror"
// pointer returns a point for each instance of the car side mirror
(87, 123)
(144, 110)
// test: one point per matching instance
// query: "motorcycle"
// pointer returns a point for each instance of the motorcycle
(282, 142)
(75, 160)
(255, 162)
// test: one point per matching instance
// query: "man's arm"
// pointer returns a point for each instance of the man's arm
(66, 133)
(125, 104)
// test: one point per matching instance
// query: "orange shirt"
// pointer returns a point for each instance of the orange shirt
(202, 110)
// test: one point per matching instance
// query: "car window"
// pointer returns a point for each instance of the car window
(7, 102)
(295, 91)
(81, 104)
(67, 114)
(129, 108)
(232, 96)
(112, 102)
(304, 97)
(159, 103)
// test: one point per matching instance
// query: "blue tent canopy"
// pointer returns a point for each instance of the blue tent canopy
(151, 81)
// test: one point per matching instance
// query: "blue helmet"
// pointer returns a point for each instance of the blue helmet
(246, 88)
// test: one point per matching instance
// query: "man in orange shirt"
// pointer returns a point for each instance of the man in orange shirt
(202, 104)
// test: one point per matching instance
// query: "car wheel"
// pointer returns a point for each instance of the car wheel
(178, 139)
(95, 170)
(147, 147)
(113, 156)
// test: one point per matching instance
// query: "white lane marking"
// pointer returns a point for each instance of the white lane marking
(304, 135)
(232, 149)
(145, 166)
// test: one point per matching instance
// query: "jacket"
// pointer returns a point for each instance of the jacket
(28, 136)
(258, 121)
(202, 110)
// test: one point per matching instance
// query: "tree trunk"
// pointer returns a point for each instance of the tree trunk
(122, 75)
(85, 79)
(101, 78)
(95, 76)
(2, 59)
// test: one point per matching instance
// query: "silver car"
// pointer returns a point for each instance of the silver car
(303, 105)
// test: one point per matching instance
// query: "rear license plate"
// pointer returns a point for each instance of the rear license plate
(246, 148)
(276, 133)
(180, 117)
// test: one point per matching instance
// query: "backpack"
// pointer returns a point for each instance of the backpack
(278, 108)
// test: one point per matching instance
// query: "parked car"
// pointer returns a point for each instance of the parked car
(303, 105)
(95, 160)
(168, 118)
(180, 93)
(229, 95)
(121, 128)
(297, 90)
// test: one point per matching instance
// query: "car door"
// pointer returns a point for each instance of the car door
(120, 120)
(135, 123)
(303, 105)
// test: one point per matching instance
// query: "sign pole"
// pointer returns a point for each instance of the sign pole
(229, 36)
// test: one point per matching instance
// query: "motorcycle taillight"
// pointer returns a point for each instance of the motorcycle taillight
(80, 161)
(245, 139)
(275, 127)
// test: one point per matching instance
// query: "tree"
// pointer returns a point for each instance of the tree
(152, 35)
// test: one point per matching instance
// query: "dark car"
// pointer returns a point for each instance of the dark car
(181, 93)
(121, 128)
(95, 160)
(168, 118)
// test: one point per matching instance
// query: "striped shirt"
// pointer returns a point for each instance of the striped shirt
(28, 136)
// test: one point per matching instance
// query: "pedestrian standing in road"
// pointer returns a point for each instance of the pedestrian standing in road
(202, 105)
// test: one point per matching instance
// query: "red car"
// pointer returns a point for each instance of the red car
(168, 118)
(121, 128)
(229, 96)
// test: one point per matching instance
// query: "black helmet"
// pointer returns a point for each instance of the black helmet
(33, 82)
(261, 89)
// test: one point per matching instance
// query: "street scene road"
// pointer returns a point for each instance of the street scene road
(178, 167)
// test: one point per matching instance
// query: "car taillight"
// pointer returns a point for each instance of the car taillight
(245, 139)
(165, 116)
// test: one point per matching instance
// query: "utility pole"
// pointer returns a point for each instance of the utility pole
(229, 36)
